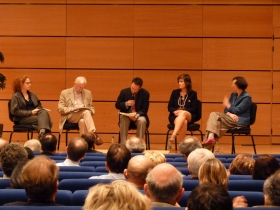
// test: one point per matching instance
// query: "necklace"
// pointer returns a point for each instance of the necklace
(182, 102)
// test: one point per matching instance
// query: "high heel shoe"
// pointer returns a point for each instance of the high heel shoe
(209, 141)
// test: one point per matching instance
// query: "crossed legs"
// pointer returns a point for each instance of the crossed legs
(181, 122)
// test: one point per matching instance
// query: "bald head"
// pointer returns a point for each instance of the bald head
(33, 144)
(3, 142)
(137, 170)
(189, 144)
(164, 184)
(135, 145)
(77, 149)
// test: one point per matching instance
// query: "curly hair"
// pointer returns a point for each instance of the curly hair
(18, 82)
(242, 165)
(10, 155)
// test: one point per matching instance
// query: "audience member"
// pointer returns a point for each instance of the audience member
(135, 145)
(271, 190)
(265, 165)
(16, 181)
(196, 159)
(137, 170)
(30, 154)
(10, 155)
(189, 144)
(117, 159)
(213, 171)
(76, 151)
(209, 196)
(156, 157)
(118, 195)
(33, 144)
(242, 165)
(48, 142)
(164, 185)
(3, 142)
(39, 179)
(90, 139)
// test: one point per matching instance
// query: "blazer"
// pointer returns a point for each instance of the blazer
(240, 106)
(18, 105)
(190, 105)
(142, 102)
(67, 101)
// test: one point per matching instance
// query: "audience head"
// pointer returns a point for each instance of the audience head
(114, 196)
(164, 184)
(30, 154)
(39, 179)
(156, 157)
(240, 82)
(79, 84)
(3, 142)
(189, 144)
(135, 145)
(117, 158)
(187, 81)
(33, 144)
(209, 196)
(16, 181)
(76, 149)
(10, 155)
(213, 171)
(197, 158)
(18, 82)
(49, 142)
(271, 190)
(137, 170)
(90, 139)
(265, 165)
(242, 165)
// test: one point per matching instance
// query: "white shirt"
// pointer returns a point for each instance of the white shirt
(109, 176)
(68, 162)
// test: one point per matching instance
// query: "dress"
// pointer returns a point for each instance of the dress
(21, 111)
(190, 105)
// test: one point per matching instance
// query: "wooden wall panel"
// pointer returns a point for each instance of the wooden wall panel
(105, 20)
(237, 21)
(34, 20)
(161, 83)
(168, 1)
(99, 53)
(276, 54)
(158, 115)
(100, 2)
(276, 16)
(239, 2)
(237, 54)
(167, 53)
(263, 120)
(276, 87)
(44, 84)
(4, 115)
(34, 1)
(168, 21)
(33, 52)
(276, 32)
(214, 88)
(105, 85)
(275, 119)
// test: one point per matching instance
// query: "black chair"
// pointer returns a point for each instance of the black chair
(191, 126)
(132, 126)
(19, 128)
(67, 127)
(245, 130)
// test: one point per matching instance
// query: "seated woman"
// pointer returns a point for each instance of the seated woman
(26, 107)
(236, 113)
(241, 165)
(182, 106)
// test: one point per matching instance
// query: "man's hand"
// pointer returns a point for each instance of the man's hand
(135, 117)
(130, 103)
(233, 116)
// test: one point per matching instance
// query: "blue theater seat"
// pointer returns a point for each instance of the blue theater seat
(80, 184)
(92, 163)
(240, 177)
(77, 175)
(77, 169)
(253, 198)
(246, 185)
(95, 158)
(189, 185)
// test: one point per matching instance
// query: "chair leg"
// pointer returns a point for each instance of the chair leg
(147, 134)
(253, 142)
(201, 135)
(166, 142)
(31, 134)
(176, 143)
(27, 135)
(58, 142)
(119, 139)
(11, 135)
(232, 144)
(66, 139)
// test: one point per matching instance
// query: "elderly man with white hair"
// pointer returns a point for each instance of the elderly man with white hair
(75, 106)
(33, 144)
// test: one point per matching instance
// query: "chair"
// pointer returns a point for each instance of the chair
(245, 130)
(68, 127)
(246, 185)
(4, 183)
(93, 163)
(253, 198)
(76, 169)
(18, 128)
(77, 175)
(80, 184)
(240, 177)
(191, 126)
(132, 126)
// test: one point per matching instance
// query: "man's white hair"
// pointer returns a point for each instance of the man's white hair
(80, 80)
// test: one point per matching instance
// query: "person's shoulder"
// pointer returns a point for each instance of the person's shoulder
(144, 91)
(245, 94)
(66, 90)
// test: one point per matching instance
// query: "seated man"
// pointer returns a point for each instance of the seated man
(196, 159)
(76, 151)
(117, 159)
(164, 185)
(271, 189)
(33, 144)
(138, 168)
(135, 145)
(10, 155)
(48, 142)
(39, 179)
(133, 100)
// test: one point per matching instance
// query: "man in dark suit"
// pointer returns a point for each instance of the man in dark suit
(133, 100)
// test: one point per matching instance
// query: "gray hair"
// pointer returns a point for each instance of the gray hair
(271, 189)
(80, 80)
(33, 144)
(135, 145)
(197, 158)
(189, 144)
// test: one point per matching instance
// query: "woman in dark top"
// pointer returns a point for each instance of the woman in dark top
(182, 107)
(26, 108)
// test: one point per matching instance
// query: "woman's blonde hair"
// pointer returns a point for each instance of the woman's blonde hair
(117, 195)
(213, 171)
(242, 165)
(156, 157)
